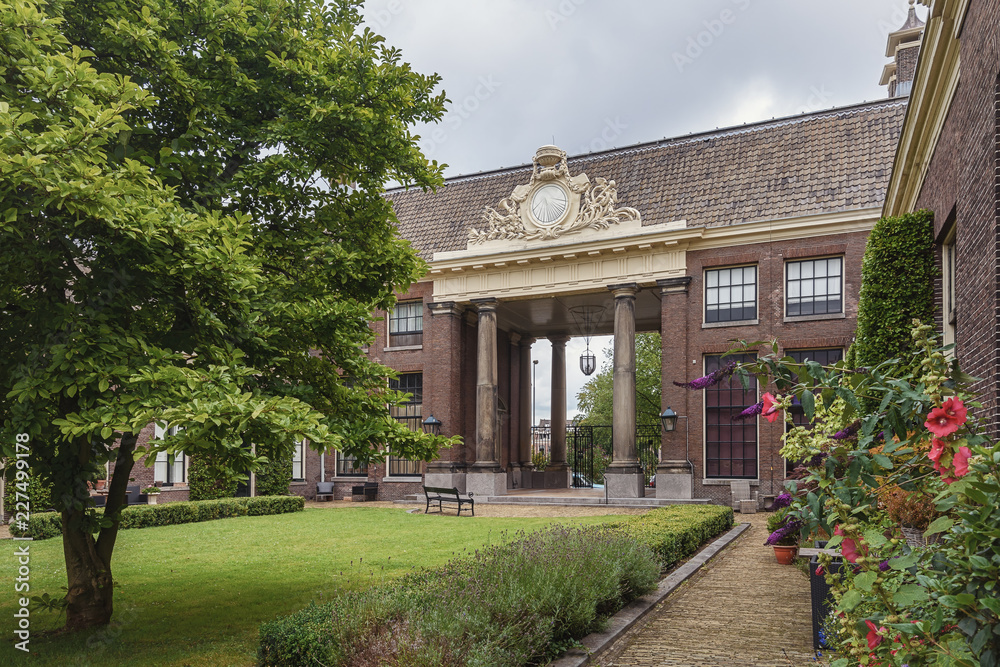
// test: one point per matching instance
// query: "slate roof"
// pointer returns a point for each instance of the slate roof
(830, 161)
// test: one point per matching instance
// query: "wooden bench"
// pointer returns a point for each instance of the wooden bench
(440, 495)
(369, 490)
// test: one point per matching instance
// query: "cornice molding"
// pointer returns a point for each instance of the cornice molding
(654, 254)
(934, 86)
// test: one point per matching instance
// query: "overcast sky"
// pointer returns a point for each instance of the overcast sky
(589, 75)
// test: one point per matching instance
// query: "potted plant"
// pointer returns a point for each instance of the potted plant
(784, 531)
(151, 493)
(911, 510)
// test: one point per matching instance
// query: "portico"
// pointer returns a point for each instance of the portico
(557, 244)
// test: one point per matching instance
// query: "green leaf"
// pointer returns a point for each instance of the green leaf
(939, 525)
(850, 600)
(883, 461)
(865, 581)
(904, 562)
(808, 404)
(875, 538)
(993, 604)
(107, 432)
(103, 385)
(909, 594)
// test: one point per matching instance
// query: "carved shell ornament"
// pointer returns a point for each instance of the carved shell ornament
(552, 204)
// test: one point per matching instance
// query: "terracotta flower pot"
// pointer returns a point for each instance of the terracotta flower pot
(785, 554)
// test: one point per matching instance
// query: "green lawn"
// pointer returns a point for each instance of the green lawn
(194, 594)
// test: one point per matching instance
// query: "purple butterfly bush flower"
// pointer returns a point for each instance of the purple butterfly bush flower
(750, 412)
(883, 566)
(784, 500)
(786, 531)
(848, 432)
(712, 379)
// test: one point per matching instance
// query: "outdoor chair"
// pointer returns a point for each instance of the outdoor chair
(741, 491)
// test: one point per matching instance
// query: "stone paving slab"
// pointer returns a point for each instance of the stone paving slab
(742, 609)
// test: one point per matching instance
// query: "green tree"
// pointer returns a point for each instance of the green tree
(897, 287)
(595, 399)
(192, 232)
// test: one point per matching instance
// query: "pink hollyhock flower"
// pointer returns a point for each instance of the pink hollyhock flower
(961, 461)
(848, 547)
(874, 638)
(769, 410)
(946, 419)
(937, 448)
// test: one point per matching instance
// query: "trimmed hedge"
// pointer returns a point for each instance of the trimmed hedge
(520, 603)
(671, 533)
(897, 286)
(207, 483)
(48, 524)
(274, 477)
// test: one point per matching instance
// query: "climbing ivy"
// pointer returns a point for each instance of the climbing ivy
(897, 286)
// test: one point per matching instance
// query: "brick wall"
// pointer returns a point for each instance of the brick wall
(962, 175)
(683, 352)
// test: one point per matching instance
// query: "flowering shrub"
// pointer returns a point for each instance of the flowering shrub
(908, 428)
(519, 603)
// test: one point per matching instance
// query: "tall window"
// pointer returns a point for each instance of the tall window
(410, 413)
(168, 469)
(731, 294)
(814, 286)
(730, 446)
(825, 357)
(299, 461)
(348, 466)
(948, 311)
(406, 324)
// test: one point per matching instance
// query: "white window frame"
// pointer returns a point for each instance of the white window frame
(168, 467)
(811, 316)
(718, 286)
(299, 461)
(948, 280)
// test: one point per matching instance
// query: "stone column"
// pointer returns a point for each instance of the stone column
(486, 477)
(524, 413)
(625, 476)
(557, 473)
(443, 392)
(674, 474)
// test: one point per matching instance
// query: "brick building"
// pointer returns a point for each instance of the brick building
(752, 232)
(948, 161)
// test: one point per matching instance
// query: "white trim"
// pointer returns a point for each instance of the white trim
(588, 265)
(403, 479)
(734, 323)
(402, 348)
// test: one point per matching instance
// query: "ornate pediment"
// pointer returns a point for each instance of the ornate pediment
(552, 204)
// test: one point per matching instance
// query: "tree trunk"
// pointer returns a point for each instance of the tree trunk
(88, 561)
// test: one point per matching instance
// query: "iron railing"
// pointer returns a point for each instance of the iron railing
(589, 450)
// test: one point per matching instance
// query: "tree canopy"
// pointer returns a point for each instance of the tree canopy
(595, 399)
(193, 232)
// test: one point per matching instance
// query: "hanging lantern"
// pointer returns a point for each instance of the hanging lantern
(587, 319)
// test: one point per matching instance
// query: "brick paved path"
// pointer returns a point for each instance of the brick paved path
(742, 609)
